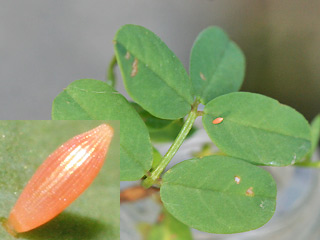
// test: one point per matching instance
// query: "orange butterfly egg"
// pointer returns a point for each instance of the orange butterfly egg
(217, 120)
(63, 176)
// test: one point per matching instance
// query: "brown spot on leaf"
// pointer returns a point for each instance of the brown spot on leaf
(114, 41)
(237, 179)
(134, 68)
(202, 76)
(250, 192)
(127, 56)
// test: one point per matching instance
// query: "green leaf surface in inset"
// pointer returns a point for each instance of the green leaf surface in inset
(219, 194)
(154, 77)
(152, 122)
(217, 65)
(257, 129)
(92, 99)
(169, 229)
(24, 146)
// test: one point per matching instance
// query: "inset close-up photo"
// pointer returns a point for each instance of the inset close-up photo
(59, 179)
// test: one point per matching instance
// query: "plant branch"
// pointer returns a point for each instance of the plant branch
(111, 76)
(308, 164)
(150, 180)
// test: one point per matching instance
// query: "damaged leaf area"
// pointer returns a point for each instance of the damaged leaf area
(207, 194)
(134, 70)
(153, 76)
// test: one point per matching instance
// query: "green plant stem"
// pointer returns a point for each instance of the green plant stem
(308, 164)
(111, 77)
(154, 176)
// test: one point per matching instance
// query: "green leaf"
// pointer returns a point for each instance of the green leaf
(156, 159)
(257, 129)
(24, 145)
(157, 232)
(88, 99)
(217, 65)
(169, 229)
(152, 122)
(154, 77)
(219, 194)
(206, 150)
(170, 132)
(161, 130)
(315, 134)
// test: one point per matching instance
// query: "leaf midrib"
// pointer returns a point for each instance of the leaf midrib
(85, 110)
(217, 67)
(262, 129)
(216, 191)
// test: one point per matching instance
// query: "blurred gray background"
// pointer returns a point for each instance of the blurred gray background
(45, 45)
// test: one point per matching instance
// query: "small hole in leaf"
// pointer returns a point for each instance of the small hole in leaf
(237, 179)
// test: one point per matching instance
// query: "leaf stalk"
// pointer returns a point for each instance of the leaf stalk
(308, 164)
(154, 177)
(111, 76)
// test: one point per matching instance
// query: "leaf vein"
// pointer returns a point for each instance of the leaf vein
(213, 190)
(262, 129)
(217, 67)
